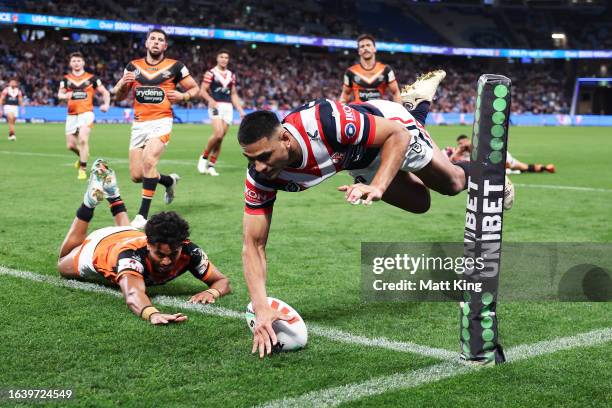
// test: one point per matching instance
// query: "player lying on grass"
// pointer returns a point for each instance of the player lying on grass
(384, 147)
(464, 149)
(132, 259)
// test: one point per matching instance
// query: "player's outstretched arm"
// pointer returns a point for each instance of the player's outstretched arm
(237, 102)
(218, 285)
(134, 291)
(255, 235)
(393, 139)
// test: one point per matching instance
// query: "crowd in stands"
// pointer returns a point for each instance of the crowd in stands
(586, 27)
(276, 77)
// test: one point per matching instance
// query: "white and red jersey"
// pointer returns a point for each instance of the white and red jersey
(332, 137)
(221, 84)
(11, 95)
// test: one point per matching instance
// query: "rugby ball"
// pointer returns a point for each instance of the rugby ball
(291, 334)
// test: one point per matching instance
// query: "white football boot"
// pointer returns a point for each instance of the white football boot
(202, 165)
(95, 187)
(508, 194)
(422, 90)
(139, 222)
(212, 171)
(169, 196)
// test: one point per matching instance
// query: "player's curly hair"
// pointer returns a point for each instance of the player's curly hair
(167, 227)
(257, 125)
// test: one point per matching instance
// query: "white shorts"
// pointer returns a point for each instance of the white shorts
(150, 129)
(11, 109)
(84, 262)
(420, 151)
(225, 112)
(75, 122)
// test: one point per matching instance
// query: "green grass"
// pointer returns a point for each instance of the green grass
(58, 337)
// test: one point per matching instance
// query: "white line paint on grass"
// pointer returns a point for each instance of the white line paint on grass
(170, 301)
(335, 396)
(571, 188)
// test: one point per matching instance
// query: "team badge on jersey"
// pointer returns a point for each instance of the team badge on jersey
(350, 130)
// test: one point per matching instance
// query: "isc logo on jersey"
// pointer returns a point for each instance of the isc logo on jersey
(149, 94)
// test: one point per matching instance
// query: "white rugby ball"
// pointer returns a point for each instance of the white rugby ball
(291, 334)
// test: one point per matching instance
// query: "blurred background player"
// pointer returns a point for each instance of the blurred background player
(78, 88)
(153, 82)
(464, 149)
(369, 79)
(131, 259)
(11, 100)
(218, 89)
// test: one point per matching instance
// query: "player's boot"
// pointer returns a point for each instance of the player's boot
(212, 171)
(550, 168)
(169, 196)
(12, 137)
(110, 186)
(95, 187)
(508, 194)
(139, 222)
(422, 90)
(202, 165)
(82, 174)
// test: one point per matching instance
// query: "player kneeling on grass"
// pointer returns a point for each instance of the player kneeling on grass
(133, 259)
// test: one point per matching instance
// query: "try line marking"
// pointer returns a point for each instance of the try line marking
(170, 301)
(335, 396)
(573, 188)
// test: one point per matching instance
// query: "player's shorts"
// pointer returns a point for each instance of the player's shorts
(420, 151)
(11, 110)
(150, 129)
(75, 122)
(510, 160)
(84, 258)
(224, 111)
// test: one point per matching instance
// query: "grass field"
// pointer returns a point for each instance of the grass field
(60, 336)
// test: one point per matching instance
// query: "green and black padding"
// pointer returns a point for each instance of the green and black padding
(479, 335)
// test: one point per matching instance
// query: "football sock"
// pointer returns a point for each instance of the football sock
(205, 154)
(84, 213)
(465, 166)
(420, 112)
(165, 181)
(213, 160)
(83, 164)
(148, 191)
(116, 205)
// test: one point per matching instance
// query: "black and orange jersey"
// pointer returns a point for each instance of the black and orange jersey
(367, 84)
(125, 252)
(152, 83)
(82, 88)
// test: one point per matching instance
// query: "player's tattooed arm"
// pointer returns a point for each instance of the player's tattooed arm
(191, 91)
(134, 291)
(105, 97)
(121, 89)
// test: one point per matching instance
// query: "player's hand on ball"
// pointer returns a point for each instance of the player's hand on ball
(361, 193)
(163, 318)
(202, 297)
(175, 96)
(264, 336)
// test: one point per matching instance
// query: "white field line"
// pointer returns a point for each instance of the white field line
(112, 160)
(174, 302)
(335, 396)
(573, 188)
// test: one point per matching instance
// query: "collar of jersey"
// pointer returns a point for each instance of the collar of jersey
(296, 135)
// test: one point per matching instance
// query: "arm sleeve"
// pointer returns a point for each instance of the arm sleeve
(199, 265)
(258, 198)
(129, 262)
(96, 81)
(129, 68)
(390, 75)
(347, 78)
(208, 77)
(353, 127)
